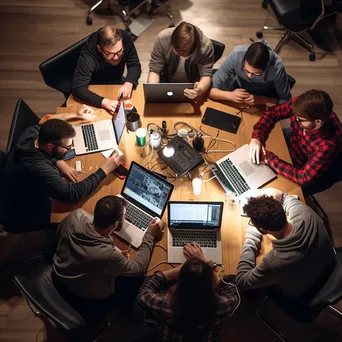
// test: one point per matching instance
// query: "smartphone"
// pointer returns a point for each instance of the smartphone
(70, 154)
(121, 171)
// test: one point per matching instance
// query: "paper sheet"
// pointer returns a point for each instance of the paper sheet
(107, 153)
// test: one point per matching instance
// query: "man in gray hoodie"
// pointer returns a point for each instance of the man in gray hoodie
(252, 74)
(302, 253)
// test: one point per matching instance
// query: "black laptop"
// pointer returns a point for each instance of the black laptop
(180, 156)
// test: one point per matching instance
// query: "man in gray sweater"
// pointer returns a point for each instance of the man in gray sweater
(252, 74)
(302, 253)
(86, 262)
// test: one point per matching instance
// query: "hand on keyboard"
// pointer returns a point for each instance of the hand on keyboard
(194, 250)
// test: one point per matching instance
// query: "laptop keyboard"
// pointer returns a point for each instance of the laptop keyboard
(137, 217)
(89, 137)
(232, 173)
(203, 238)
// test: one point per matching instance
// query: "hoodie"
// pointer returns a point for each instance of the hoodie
(32, 180)
(297, 262)
(87, 263)
(273, 82)
(93, 69)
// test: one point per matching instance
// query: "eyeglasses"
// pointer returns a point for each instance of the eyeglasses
(249, 72)
(301, 120)
(112, 55)
(68, 148)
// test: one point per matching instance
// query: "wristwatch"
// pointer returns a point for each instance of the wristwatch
(212, 264)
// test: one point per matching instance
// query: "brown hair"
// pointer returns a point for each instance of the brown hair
(266, 212)
(54, 130)
(185, 39)
(257, 55)
(108, 36)
(313, 105)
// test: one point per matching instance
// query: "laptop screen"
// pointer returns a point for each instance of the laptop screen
(119, 120)
(192, 215)
(147, 190)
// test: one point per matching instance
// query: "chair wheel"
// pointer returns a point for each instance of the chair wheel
(264, 4)
(259, 34)
(312, 57)
(89, 21)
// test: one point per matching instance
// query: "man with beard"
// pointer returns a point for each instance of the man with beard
(89, 271)
(35, 173)
(103, 61)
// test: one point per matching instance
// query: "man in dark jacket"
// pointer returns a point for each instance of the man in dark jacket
(103, 61)
(34, 172)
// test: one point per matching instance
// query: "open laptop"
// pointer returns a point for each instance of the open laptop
(183, 157)
(102, 135)
(240, 173)
(146, 195)
(194, 222)
(166, 92)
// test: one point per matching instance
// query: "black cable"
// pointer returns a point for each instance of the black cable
(161, 247)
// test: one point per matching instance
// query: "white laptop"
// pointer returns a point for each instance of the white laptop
(240, 173)
(102, 135)
(146, 195)
(166, 92)
(194, 222)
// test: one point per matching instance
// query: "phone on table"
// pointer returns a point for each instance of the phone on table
(121, 171)
(70, 154)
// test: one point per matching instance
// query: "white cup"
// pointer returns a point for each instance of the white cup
(196, 186)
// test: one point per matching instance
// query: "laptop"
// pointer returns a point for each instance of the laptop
(194, 222)
(146, 195)
(240, 173)
(166, 92)
(180, 156)
(102, 135)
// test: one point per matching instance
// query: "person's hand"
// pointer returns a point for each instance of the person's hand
(84, 110)
(111, 163)
(109, 105)
(67, 171)
(156, 229)
(254, 100)
(126, 90)
(255, 150)
(238, 95)
(192, 93)
(126, 254)
(194, 250)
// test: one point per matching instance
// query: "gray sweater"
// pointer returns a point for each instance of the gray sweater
(296, 262)
(87, 262)
(273, 81)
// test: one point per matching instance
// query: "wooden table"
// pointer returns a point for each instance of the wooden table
(233, 225)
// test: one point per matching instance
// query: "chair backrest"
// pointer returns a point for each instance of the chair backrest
(292, 81)
(58, 71)
(39, 290)
(3, 158)
(218, 49)
(331, 292)
(23, 117)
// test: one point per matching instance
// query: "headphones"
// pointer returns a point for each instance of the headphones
(184, 130)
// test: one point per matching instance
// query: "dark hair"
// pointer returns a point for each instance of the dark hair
(108, 36)
(266, 212)
(313, 105)
(185, 39)
(108, 210)
(54, 130)
(257, 55)
(194, 295)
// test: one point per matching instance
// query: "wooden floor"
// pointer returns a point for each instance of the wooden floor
(32, 31)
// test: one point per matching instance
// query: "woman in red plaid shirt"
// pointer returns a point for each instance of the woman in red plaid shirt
(314, 141)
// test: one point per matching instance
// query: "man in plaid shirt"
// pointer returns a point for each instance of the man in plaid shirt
(315, 145)
(197, 308)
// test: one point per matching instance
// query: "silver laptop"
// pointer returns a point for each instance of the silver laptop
(241, 174)
(146, 195)
(102, 135)
(166, 92)
(194, 222)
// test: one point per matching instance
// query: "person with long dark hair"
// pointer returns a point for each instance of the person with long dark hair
(198, 305)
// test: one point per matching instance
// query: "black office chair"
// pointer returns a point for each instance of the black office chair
(328, 295)
(58, 71)
(23, 117)
(44, 300)
(295, 17)
(126, 16)
(3, 158)
(218, 49)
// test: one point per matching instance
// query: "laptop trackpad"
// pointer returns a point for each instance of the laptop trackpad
(104, 135)
(246, 168)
